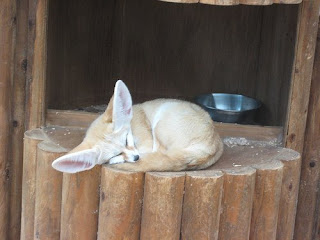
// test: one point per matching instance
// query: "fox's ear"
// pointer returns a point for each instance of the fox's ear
(77, 161)
(122, 106)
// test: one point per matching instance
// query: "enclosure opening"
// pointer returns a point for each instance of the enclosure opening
(170, 50)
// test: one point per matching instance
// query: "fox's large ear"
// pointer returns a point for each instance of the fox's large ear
(77, 161)
(122, 106)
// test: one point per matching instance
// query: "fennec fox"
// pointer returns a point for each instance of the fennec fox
(158, 135)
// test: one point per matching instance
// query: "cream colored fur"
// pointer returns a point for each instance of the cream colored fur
(166, 134)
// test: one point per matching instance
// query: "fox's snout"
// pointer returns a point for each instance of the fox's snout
(133, 158)
(131, 155)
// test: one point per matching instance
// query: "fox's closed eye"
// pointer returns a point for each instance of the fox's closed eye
(127, 139)
(116, 155)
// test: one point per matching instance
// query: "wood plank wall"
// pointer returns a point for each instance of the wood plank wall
(7, 44)
(169, 50)
(79, 52)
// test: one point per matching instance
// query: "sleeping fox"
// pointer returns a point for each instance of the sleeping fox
(157, 135)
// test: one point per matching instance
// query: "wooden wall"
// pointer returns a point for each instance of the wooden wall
(7, 43)
(170, 50)
(79, 52)
(307, 225)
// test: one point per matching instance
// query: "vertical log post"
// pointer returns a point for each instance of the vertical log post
(31, 140)
(237, 204)
(266, 201)
(48, 193)
(309, 199)
(317, 223)
(301, 76)
(80, 205)
(162, 206)
(18, 112)
(7, 41)
(201, 205)
(299, 99)
(37, 62)
(289, 194)
(120, 204)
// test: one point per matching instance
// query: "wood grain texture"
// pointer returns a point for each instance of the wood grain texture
(69, 118)
(170, 50)
(7, 46)
(317, 228)
(190, 59)
(51, 137)
(31, 140)
(278, 35)
(266, 200)
(80, 205)
(37, 64)
(288, 1)
(256, 2)
(220, 2)
(48, 194)
(202, 205)
(162, 206)
(80, 53)
(302, 72)
(250, 132)
(260, 184)
(18, 116)
(254, 156)
(121, 197)
(181, 1)
(237, 204)
(235, 2)
(309, 199)
(289, 194)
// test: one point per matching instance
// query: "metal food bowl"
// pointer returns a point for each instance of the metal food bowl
(229, 108)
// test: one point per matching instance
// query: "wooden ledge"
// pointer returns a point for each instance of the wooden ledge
(243, 133)
(36, 134)
(255, 156)
(236, 2)
(251, 191)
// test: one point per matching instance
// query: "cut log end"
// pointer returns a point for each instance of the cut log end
(36, 134)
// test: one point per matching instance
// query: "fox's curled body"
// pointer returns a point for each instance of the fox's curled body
(173, 135)
(158, 135)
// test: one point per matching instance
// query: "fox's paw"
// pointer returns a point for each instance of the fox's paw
(117, 159)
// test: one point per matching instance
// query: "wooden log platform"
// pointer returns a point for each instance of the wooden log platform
(250, 193)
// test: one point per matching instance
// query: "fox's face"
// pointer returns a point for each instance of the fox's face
(108, 139)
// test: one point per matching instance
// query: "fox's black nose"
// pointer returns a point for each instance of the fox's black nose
(136, 158)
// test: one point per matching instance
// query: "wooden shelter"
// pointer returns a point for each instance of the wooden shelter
(58, 56)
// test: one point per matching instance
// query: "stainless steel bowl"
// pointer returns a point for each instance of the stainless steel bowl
(229, 108)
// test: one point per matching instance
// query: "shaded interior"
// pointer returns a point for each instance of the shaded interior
(170, 50)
